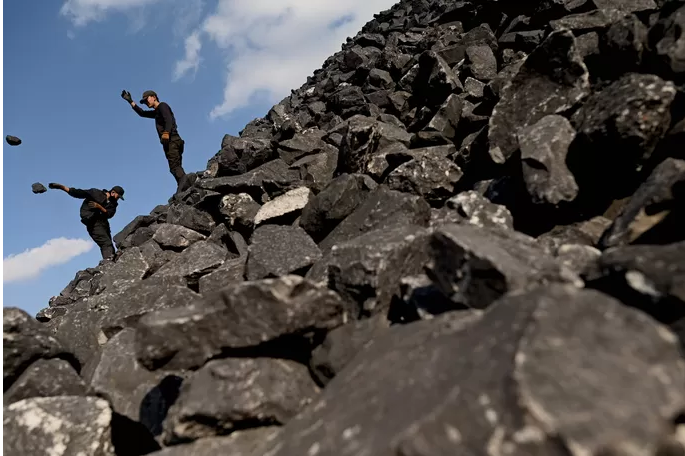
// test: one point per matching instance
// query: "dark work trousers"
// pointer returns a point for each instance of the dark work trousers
(174, 155)
(100, 232)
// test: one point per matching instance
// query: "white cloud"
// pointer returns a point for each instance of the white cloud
(83, 11)
(192, 58)
(274, 46)
(32, 262)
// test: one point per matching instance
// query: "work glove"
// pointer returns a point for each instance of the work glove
(126, 96)
(165, 137)
(54, 185)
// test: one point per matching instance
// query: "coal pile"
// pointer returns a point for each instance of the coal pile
(463, 234)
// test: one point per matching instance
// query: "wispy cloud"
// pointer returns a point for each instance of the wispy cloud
(274, 46)
(32, 262)
(192, 59)
(81, 12)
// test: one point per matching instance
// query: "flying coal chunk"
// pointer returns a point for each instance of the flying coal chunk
(38, 188)
(12, 140)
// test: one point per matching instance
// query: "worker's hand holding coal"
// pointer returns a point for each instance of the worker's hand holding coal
(165, 137)
(55, 186)
(126, 96)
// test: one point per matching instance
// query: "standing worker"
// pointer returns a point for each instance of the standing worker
(99, 206)
(166, 129)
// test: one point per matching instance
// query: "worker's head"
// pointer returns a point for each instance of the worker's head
(117, 192)
(149, 99)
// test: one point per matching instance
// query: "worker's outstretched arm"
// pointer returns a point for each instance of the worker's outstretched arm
(141, 112)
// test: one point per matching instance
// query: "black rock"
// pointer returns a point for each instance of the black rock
(446, 119)
(12, 140)
(306, 143)
(654, 214)
(38, 188)
(197, 260)
(435, 80)
(335, 202)
(552, 79)
(238, 443)
(178, 237)
(544, 344)
(137, 223)
(131, 266)
(591, 20)
(234, 393)
(25, 341)
(280, 250)
(479, 211)
(64, 425)
(232, 271)
(544, 146)
(233, 320)
(666, 41)
(191, 218)
(316, 171)
(239, 210)
(481, 62)
(382, 209)
(46, 378)
(342, 344)
(475, 266)
(617, 131)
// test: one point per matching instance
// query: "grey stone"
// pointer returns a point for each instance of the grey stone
(279, 250)
(239, 210)
(316, 171)
(481, 62)
(46, 378)
(285, 205)
(191, 218)
(550, 345)
(479, 211)
(383, 208)
(24, 341)
(552, 79)
(176, 236)
(197, 260)
(232, 271)
(233, 393)
(544, 146)
(239, 443)
(240, 316)
(38, 188)
(132, 265)
(474, 266)
(62, 425)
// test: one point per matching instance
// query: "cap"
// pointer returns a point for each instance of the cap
(119, 190)
(146, 94)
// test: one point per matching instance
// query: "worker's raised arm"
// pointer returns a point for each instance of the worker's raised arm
(141, 112)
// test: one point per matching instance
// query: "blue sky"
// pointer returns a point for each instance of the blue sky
(218, 63)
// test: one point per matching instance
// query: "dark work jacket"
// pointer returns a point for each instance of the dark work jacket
(164, 118)
(91, 214)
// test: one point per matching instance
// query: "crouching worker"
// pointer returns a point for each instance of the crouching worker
(98, 207)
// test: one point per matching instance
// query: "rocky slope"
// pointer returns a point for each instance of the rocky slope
(463, 235)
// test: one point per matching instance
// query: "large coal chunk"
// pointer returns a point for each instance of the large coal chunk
(362, 137)
(551, 80)
(435, 80)
(46, 378)
(232, 271)
(279, 250)
(335, 202)
(197, 260)
(243, 316)
(191, 218)
(618, 129)
(538, 358)
(239, 155)
(131, 266)
(137, 223)
(12, 140)
(429, 175)
(239, 443)
(235, 393)
(475, 266)
(132, 390)
(255, 183)
(38, 188)
(63, 425)
(177, 237)
(24, 341)
(307, 143)
(668, 43)
(341, 346)
(649, 277)
(239, 211)
(479, 211)
(91, 322)
(316, 171)
(544, 146)
(366, 271)
(654, 214)
(382, 209)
